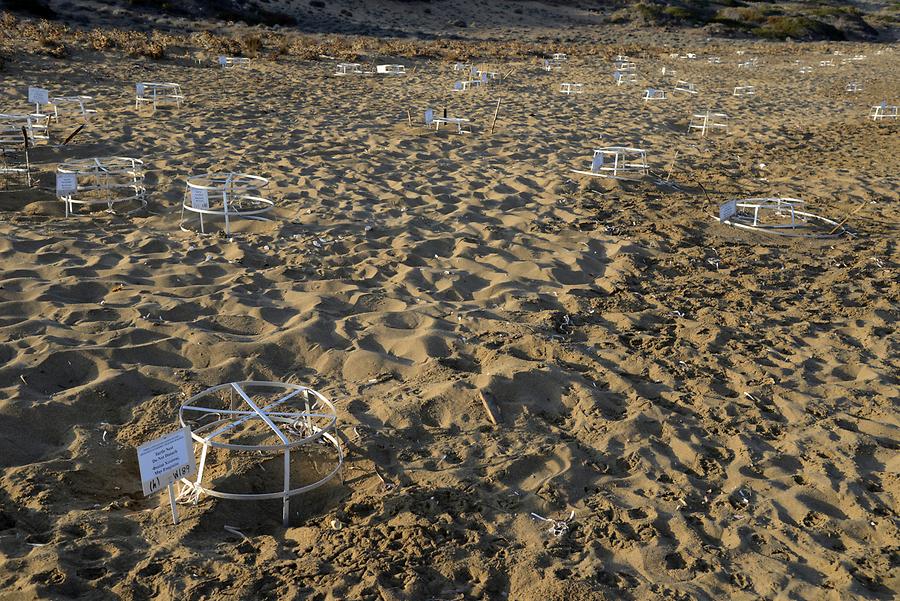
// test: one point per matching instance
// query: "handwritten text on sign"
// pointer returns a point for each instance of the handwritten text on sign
(38, 95)
(199, 198)
(727, 210)
(165, 460)
(66, 183)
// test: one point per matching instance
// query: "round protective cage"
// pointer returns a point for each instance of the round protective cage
(104, 181)
(261, 441)
(226, 195)
(782, 217)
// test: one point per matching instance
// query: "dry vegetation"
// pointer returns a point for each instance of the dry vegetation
(58, 40)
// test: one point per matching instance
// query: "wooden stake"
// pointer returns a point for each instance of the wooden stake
(672, 166)
(409, 117)
(494, 120)
(850, 214)
(489, 408)
(73, 134)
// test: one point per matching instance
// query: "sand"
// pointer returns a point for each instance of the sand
(718, 408)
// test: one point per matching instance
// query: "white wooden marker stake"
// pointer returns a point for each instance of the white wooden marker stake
(165, 460)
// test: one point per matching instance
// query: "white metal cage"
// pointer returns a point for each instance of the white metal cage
(243, 427)
(618, 162)
(744, 91)
(883, 111)
(15, 166)
(390, 69)
(853, 87)
(708, 121)
(157, 93)
(571, 88)
(779, 216)
(233, 62)
(102, 181)
(624, 77)
(685, 86)
(344, 69)
(654, 94)
(228, 195)
(435, 121)
(36, 128)
(71, 106)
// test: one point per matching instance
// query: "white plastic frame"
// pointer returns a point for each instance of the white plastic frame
(744, 91)
(652, 94)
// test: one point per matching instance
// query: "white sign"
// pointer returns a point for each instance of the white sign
(165, 460)
(199, 198)
(66, 183)
(38, 96)
(727, 210)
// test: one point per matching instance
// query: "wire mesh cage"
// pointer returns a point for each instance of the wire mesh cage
(745, 90)
(651, 94)
(226, 195)
(261, 441)
(101, 182)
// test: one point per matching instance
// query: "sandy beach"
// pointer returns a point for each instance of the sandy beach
(701, 412)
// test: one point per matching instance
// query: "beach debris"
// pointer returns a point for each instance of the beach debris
(557, 527)
(490, 407)
(235, 531)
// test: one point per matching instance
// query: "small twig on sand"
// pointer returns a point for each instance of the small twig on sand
(849, 215)
(496, 112)
(489, 408)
